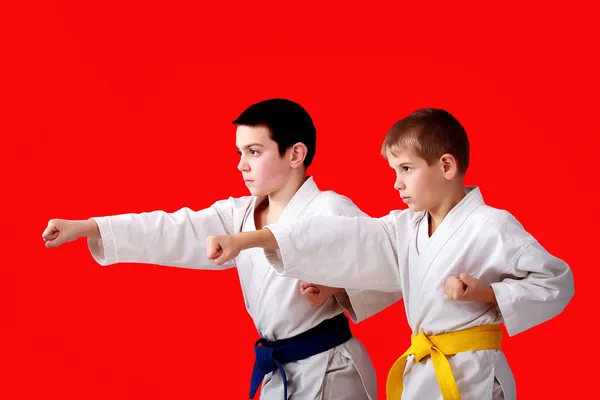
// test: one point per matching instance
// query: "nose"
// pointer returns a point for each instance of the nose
(243, 165)
(399, 184)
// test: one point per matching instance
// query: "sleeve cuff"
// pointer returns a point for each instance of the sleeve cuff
(343, 299)
(103, 250)
(276, 257)
(504, 305)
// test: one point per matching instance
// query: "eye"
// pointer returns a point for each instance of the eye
(254, 152)
(406, 169)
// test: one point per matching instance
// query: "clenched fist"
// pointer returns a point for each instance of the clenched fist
(317, 294)
(222, 248)
(61, 231)
(468, 288)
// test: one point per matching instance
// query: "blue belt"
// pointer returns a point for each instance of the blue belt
(270, 356)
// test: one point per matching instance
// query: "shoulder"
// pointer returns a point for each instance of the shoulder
(329, 202)
(500, 225)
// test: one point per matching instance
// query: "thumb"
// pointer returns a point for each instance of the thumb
(53, 237)
(220, 259)
(469, 280)
(213, 248)
(312, 289)
(50, 233)
(50, 244)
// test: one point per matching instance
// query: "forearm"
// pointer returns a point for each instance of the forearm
(87, 228)
(262, 238)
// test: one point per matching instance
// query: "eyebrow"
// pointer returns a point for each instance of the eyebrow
(404, 164)
(251, 145)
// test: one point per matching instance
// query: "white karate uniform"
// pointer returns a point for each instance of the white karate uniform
(395, 252)
(275, 304)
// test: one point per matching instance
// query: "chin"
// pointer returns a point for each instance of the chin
(257, 192)
(415, 208)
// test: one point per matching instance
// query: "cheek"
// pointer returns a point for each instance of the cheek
(431, 187)
(416, 180)
(421, 185)
(268, 168)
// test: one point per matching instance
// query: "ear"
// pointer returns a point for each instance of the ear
(297, 154)
(449, 166)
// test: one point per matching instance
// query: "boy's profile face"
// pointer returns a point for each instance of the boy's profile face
(263, 169)
(419, 184)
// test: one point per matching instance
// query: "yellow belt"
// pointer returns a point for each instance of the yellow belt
(486, 337)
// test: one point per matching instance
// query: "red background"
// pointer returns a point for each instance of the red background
(120, 107)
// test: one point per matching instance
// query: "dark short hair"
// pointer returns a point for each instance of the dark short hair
(288, 123)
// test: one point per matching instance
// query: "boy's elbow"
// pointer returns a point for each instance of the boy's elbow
(569, 286)
(566, 289)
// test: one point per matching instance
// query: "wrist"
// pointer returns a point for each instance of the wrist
(490, 295)
(88, 228)
(241, 241)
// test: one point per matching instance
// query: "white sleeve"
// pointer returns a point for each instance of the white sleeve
(171, 239)
(362, 304)
(539, 287)
(343, 252)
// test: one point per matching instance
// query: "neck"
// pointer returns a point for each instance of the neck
(438, 213)
(279, 199)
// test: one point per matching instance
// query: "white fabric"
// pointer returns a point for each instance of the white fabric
(275, 304)
(531, 285)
